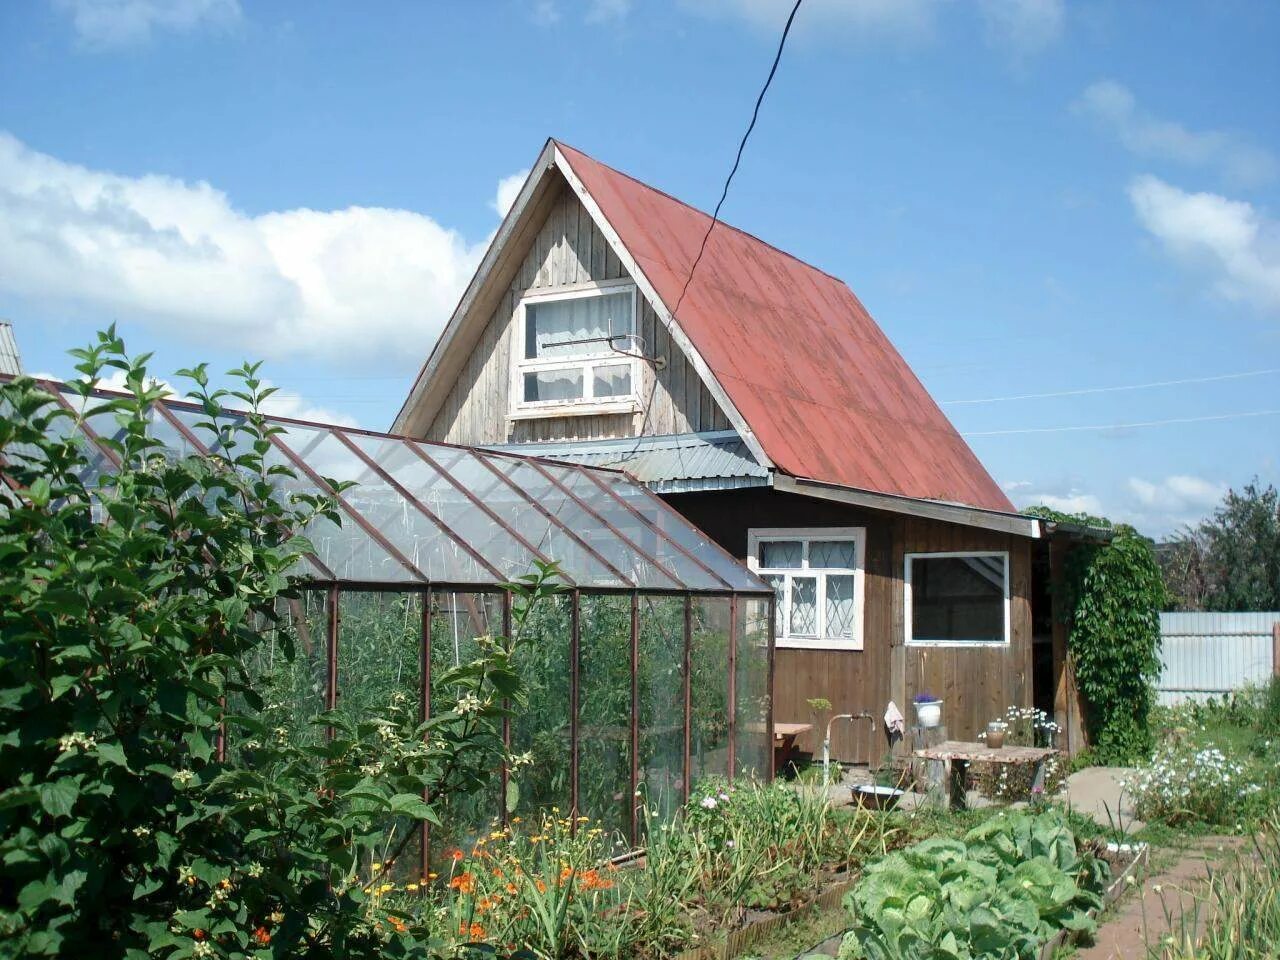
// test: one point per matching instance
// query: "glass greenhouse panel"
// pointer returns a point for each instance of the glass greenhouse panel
(541, 728)
(614, 552)
(430, 475)
(677, 529)
(709, 688)
(753, 746)
(379, 681)
(604, 711)
(458, 622)
(686, 573)
(661, 708)
(289, 672)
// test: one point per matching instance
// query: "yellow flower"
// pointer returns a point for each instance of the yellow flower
(377, 866)
(385, 887)
(411, 887)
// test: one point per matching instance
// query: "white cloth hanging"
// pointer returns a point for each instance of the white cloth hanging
(894, 720)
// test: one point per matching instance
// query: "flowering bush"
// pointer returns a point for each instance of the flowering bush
(132, 605)
(1184, 784)
(1026, 727)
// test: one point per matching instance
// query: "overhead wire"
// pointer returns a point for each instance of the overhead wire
(715, 215)
(1124, 426)
(1083, 391)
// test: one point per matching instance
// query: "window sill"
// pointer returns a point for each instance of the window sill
(960, 644)
(587, 409)
(802, 643)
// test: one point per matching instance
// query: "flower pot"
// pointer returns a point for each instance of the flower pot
(929, 713)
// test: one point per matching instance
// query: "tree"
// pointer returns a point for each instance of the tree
(129, 607)
(1230, 561)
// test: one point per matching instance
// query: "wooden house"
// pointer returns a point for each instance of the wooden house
(763, 402)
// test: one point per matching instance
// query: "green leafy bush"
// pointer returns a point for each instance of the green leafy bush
(1114, 593)
(131, 611)
(1011, 884)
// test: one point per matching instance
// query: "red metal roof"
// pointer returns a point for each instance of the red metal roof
(813, 375)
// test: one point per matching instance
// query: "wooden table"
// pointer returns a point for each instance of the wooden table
(784, 741)
(956, 755)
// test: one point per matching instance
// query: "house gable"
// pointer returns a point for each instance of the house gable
(568, 253)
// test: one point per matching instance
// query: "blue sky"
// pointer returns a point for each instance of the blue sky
(1031, 196)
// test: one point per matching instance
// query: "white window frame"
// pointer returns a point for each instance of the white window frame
(601, 355)
(855, 535)
(911, 641)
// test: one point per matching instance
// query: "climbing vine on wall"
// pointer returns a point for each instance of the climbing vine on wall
(1113, 596)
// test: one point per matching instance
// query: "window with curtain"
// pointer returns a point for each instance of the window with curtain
(957, 598)
(817, 573)
(571, 347)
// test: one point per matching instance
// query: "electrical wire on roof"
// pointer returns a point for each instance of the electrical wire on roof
(715, 215)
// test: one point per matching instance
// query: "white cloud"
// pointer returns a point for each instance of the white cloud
(545, 13)
(1179, 494)
(117, 23)
(1113, 105)
(898, 19)
(603, 11)
(508, 190)
(1235, 243)
(354, 285)
(1023, 27)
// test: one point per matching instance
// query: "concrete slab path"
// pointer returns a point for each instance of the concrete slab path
(1098, 792)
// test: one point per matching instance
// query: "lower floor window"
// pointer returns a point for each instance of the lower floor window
(957, 598)
(817, 573)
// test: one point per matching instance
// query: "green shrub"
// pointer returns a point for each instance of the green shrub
(130, 611)
(1011, 884)
(1189, 784)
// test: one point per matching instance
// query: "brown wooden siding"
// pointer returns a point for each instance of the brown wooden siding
(569, 249)
(977, 683)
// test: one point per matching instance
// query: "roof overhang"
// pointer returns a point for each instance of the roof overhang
(1014, 523)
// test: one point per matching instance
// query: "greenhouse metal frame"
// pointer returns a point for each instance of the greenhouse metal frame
(446, 527)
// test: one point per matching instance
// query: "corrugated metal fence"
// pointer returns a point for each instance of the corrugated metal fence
(1209, 654)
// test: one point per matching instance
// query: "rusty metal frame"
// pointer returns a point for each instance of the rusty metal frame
(575, 637)
(421, 507)
(82, 424)
(733, 685)
(334, 619)
(483, 457)
(688, 696)
(424, 714)
(373, 532)
(503, 813)
(773, 603)
(635, 719)
(658, 532)
(482, 506)
(678, 584)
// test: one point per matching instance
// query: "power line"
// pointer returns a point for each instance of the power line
(715, 217)
(1125, 426)
(1129, 386)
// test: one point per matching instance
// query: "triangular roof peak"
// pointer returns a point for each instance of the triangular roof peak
(801, 370)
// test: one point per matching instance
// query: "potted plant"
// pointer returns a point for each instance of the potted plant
(928, 709)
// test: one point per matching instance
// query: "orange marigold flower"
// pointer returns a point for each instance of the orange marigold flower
(198, 934)
(456, 855)
(511, 888)
(476, 931)
(463, 883)
(262, 935)
(399, 924)
(542, 887)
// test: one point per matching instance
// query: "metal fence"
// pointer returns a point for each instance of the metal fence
(1209, 654)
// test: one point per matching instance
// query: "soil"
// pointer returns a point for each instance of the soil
(1167, 896)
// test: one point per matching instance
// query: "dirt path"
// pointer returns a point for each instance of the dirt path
(1166, 897)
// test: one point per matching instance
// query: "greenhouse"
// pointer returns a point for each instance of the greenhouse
(650, 671)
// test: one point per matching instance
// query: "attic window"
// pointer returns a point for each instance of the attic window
(957, 599)
(572, 352)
